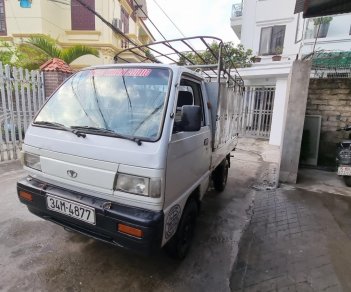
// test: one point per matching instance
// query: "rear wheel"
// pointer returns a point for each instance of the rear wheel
(347, 180)
(180, 243)
(220, 176)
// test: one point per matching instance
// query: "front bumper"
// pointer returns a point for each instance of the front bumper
(107, 219)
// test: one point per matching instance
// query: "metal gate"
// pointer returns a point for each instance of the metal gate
(255, 112)
(21, 95)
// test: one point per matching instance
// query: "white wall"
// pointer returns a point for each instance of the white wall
(54, 26)
(262, 13)
(280, 102)
(272, 75)
(248, 24)
(23, 20)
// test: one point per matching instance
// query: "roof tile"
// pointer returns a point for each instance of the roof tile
(56, 65)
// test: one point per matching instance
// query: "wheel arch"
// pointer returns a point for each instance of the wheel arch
(196, 196)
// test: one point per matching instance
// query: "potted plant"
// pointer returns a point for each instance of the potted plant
(323, 24)
(278, 54)
(256, 59)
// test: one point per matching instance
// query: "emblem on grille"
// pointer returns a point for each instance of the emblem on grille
(72, 173)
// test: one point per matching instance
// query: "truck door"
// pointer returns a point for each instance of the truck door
(189, 153)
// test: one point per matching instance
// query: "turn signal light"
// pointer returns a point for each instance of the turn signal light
(130, 230)
(26, 196)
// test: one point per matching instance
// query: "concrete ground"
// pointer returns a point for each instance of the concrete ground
(37, 255)
(294, 238)
(268, 156)
(299, 238)
(315, 180)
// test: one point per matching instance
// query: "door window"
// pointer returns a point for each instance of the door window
(189, 94)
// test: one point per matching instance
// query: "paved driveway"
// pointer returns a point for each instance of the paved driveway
(297, 240)
(37, 255)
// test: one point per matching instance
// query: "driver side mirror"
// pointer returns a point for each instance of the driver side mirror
(190, 119)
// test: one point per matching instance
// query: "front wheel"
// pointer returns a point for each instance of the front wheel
(347, 180)
(179, 245)
(220, 176)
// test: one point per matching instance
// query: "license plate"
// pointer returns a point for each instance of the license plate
(344, 170)
(70, 208)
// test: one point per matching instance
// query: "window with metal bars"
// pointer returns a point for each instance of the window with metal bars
(2, 18)
(82, 18)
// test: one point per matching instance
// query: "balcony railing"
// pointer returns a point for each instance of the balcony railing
(237, 10)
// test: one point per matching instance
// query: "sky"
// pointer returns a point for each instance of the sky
(192, 17)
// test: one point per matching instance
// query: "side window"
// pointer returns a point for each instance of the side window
(189, 94)
(198, 100)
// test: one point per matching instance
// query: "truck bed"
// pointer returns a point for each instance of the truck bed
(224, 119)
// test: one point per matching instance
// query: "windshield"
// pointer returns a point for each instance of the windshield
(127, 101)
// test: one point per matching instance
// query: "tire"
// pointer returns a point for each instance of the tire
(347, 180)
(179, 245)
(220, 176)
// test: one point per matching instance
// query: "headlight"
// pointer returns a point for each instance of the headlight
(139, 185)
(32, 161)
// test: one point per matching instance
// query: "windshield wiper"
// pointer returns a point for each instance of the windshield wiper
(149, 116)
(62, 127)
(107, 132)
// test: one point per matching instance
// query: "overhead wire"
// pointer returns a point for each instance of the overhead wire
(164, 12)
(118, 31)
(166, 44)
(180, 54)
(153, 24)
(109, 24)
(61, 2)
(142, 48)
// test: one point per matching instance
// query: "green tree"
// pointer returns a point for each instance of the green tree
(28, 57)
(39, 49)
(49, 47)
(21, 55)
(7, 54)
(238, 55)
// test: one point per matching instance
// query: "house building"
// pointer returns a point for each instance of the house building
(267, 32)
(332, 36)
(71, 23)
(269, 28)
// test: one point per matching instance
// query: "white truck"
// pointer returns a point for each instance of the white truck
(124, 153)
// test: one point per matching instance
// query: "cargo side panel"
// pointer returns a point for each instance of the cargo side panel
(225, 119)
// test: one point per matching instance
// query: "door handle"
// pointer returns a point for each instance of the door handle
(206, 142)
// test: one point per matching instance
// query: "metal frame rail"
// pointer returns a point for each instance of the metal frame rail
(225, 67)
